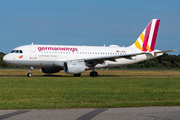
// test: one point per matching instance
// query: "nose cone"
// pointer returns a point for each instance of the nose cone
(12, 59)
(7, 59)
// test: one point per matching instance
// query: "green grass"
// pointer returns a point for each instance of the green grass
(88, 92)
(15, 72)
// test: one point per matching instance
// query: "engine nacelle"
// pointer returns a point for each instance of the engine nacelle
(50, 69)
(74, 67)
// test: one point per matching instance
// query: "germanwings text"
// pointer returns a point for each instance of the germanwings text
(57, 49)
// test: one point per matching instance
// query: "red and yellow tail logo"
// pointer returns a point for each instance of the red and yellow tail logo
(147, 40)
(20, 56)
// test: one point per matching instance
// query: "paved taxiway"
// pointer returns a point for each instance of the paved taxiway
(140, 113)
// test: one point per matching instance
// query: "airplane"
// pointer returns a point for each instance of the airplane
(77, 59)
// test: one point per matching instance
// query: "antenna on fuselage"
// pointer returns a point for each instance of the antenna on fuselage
(32, 43)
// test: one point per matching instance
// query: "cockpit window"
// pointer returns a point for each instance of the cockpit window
(17, 51)
(13, 51)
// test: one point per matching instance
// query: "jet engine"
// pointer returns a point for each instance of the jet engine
(51, 69)
(74, 67)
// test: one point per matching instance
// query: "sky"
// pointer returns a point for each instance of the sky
(87, 22)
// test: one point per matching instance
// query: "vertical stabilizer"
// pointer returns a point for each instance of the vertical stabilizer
(147, 39)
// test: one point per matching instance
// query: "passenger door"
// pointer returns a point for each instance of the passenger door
(33, 52)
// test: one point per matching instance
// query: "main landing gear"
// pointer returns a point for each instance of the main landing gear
(93, 74)
(30, 72)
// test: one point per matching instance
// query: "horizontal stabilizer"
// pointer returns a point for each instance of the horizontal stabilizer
(165, 51)
(157, 51)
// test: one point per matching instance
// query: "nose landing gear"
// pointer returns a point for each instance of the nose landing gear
(30, 72)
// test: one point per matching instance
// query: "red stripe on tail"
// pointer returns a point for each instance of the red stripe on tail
(155, 35)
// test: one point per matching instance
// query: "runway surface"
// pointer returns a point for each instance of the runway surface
(140, 113)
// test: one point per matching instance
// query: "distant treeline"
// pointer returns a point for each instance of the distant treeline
(165, 61)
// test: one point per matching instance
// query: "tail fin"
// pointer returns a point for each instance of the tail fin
(147, 39)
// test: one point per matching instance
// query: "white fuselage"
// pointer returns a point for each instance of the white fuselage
(56, 55)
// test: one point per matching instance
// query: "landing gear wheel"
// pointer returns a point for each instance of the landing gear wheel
(94, 74)
(77, 75)
(29, 74)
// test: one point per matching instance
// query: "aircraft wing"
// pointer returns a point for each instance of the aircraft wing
(92, 61)
(100, 59)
